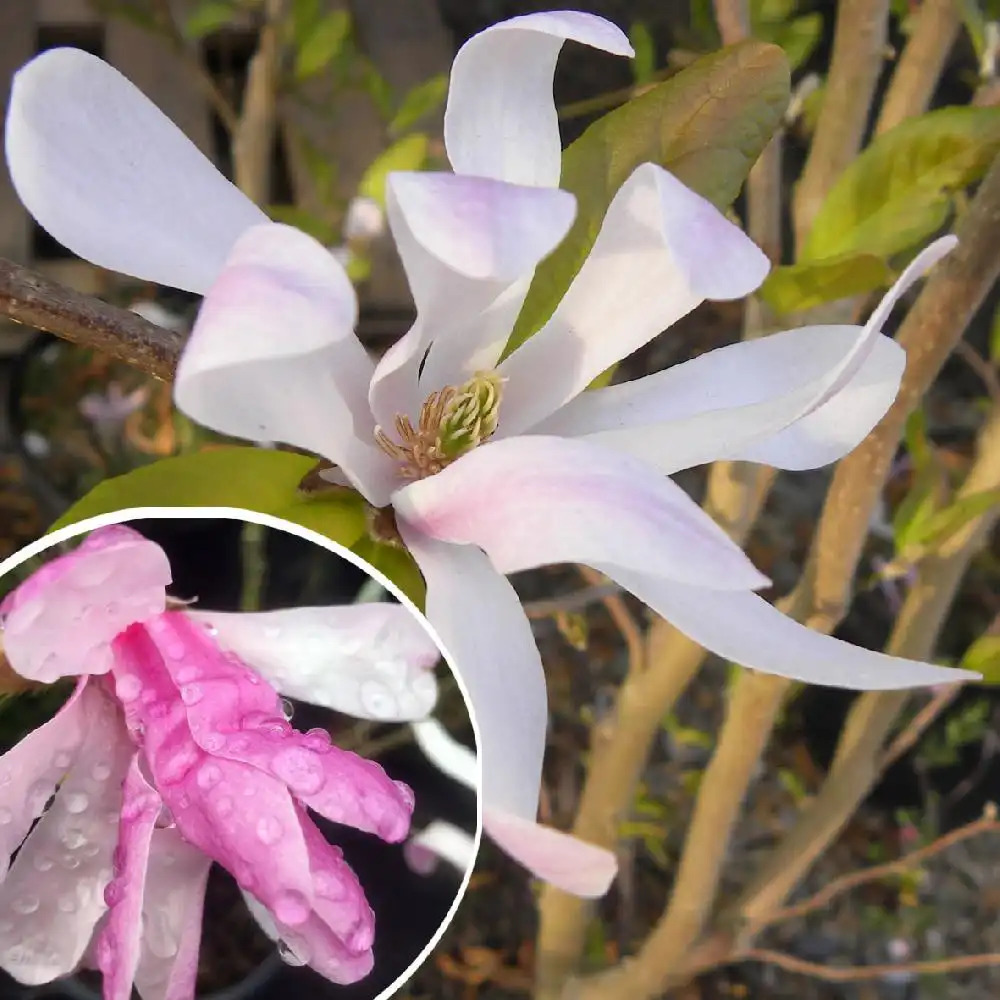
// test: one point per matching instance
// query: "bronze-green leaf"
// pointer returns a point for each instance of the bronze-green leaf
(707, 125)
(795, 287)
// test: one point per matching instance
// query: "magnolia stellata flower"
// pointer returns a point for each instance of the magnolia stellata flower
(489, 465)
(172, 752)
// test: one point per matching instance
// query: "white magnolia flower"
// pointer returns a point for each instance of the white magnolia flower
(490, 467)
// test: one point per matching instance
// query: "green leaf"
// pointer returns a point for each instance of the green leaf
(255, 479)
(644, 63)
(322, 44)
(798, 37)
(983, 656)
(408, 153)
(899, 190)
(975, 25)
(420, 101)
(794, 287)
(397, 564)
(918, 444)
(292, 215)
(995, 338)
(942, 525)
(707, 125)
(921, 503)
(208, 17)
(304, 16)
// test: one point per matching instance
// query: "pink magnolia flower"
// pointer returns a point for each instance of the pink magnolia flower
(490, 466)
(173, 752)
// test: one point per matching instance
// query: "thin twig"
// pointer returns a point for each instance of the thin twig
(985, 824)
(624, 621)
(908, 737)
(576, 600)
(986, 371)
(732, 18)
(862, 973)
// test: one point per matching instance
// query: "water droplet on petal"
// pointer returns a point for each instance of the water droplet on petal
(329, 886)
(298, 768)
(67, 904)
(211, 630)
(101, 771)
(287, 709)
(213, 742)
(377, 700)
(187, 674)
(73, 838)
(269, 830)
(224, 806)
(128, 687)
(42, 862)
(209, 776)
(5, 816)
(292, 908)
(70, 861)
(38, 795)
(25, 904)
(191, 694)
(288, 956)
(75, 802)
(317, 740)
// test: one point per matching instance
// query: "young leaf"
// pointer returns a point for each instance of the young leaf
(322, 44)
(707, 125)
(794, 287)
(898, 191)
(983, 656)
(208, 17)
(408, 153)
(644, 62)
(423, 99)
(941, 526)
(292, 215)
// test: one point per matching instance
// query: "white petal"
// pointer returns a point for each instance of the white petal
(571, 864)
(661, 251)
(536, 500)
(446, 753)
(744, 628)
(440, 840)
(372, 661)
(54, 892)
(501, 117)
(795, 400)
(273, 356)
(463, 242)
(114, 180)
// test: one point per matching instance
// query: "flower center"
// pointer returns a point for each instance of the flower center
(451, 422)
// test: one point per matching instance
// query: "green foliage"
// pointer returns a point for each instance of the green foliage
(965, 724)
(983, 656)
(255, 479)
(777, 22)
(308, 222)
(795, 287)
(995, 338)
(321, 43)
(707, 125)
(397, 564)
(644, 62)
(208, 17)
(419, 102)
(899, 191)
(408, 153)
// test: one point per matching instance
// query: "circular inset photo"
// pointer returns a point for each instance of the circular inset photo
(235, 763)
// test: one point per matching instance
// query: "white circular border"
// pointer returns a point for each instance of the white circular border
(268, 520)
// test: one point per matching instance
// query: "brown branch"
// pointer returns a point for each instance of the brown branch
(577, 600)
(733, 20)
(28, 298)
(863, 973)
(910, 735)
(859, 43)
(624, 622)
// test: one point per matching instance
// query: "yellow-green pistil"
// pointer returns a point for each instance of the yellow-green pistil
(451, 422)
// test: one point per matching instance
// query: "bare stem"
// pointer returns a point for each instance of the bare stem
(733, 20)
(29, 298)
(859, 43)
(865, 973)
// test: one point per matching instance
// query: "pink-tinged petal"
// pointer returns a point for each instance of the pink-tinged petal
(171, 918)
(571, 864)
(662, 250)
(53, 895)
(744, 628)
(372, 661)
(31, 771)
(536, 500)
(273, 356)
(795, 400)
(482, 625)
(464, 241)
(61, 620)
(501, 117)
(120, 937)
(440, 840)
(112, 179)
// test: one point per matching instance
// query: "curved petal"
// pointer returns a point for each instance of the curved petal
(273, 356)
(661, 251)
(114, 180)
(744, 628)
(60, 622)
(120, 938)
(445, 752)
(501, 117)
(463, 242)
(482, 625)
(795, 400)
(536, 500)
(571, 864)
(372, 661)
(54, 893)
(440, 840)
(171, 918)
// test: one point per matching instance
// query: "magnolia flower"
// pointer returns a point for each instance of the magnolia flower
(173, 752)
(488, 466)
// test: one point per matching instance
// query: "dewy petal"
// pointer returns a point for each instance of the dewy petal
(482, 625)
(120, 938)
(464, 241)
(372, 661)
(54, 893)
(536, 500)
(171, 918)
(744, 628)
(273, 356)
(795, 400)
(501, 117)
(114, 180)
(661, 251)
(61, 620)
